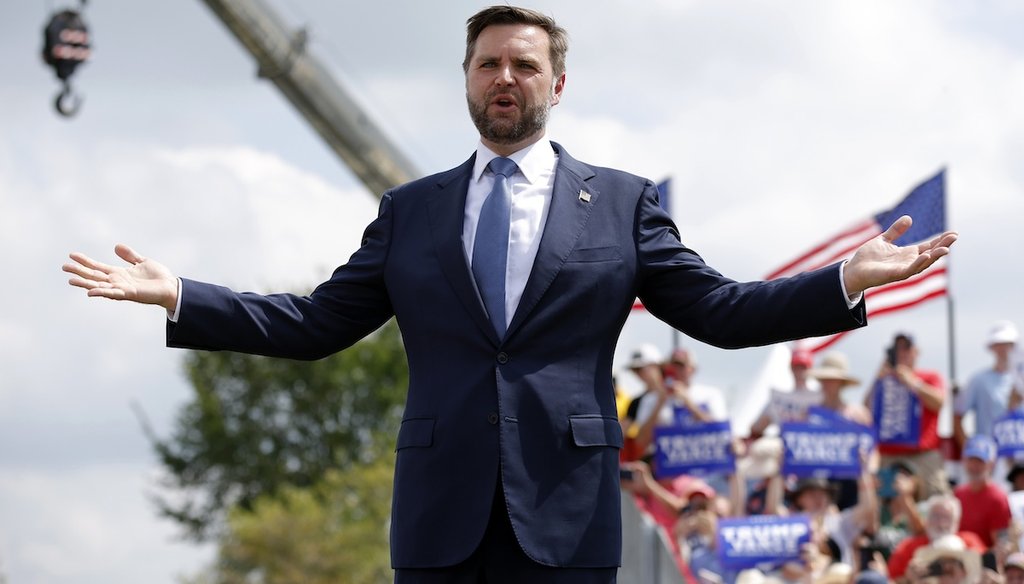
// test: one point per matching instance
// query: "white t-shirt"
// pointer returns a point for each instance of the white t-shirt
(705, 397)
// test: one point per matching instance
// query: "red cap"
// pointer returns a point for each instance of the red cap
(802, 357)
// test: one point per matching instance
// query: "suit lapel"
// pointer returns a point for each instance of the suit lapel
(446, 210)
(572, 200)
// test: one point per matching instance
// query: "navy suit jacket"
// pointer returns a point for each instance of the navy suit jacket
(535, 410)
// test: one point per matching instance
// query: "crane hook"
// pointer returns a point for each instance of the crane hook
(67, 101)
(66, 46)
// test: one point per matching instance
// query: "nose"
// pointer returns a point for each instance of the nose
(504, 75)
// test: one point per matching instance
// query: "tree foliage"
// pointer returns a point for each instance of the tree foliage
(335, 531)
(257, 424)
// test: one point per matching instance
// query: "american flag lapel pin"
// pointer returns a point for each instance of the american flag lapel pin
(585, 196)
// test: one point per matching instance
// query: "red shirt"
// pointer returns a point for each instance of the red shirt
(929, 439)
(904, 552)
(985, 510)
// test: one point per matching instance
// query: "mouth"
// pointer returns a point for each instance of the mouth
(504, 102)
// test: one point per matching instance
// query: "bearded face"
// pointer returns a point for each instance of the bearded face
(508, 127)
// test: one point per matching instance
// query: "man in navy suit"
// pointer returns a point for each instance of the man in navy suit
(508, 449)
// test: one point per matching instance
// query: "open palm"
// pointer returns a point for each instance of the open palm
(144, 280)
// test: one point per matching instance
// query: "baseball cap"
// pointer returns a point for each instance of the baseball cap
(981, 447)
(802, 357)
(645, 354)
(1003, 331)
(1014, 560)
(698, 487)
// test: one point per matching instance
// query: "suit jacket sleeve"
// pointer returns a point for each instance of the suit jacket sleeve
(351, 304)
(676, 286)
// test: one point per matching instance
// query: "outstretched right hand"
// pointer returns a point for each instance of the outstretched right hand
(145, 281)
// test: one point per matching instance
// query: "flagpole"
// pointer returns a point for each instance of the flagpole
(951, 329)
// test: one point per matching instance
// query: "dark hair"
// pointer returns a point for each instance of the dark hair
(495, 15)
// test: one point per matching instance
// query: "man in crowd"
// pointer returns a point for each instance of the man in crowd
(899, 373)
(790, 405)
(1013, 568)
(989, 508)
(680, 401)
(942, 519)
(989, 392)
(646, 363)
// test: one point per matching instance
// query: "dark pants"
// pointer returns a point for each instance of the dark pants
(500, 560)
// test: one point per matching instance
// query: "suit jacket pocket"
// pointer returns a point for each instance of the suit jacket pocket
(416, 433)
(595, 430)
(608, 253)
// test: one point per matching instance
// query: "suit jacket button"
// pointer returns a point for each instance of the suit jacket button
(503, 357)
(492, 418)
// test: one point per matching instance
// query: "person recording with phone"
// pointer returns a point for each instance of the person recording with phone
(901, 512)
(927, 392)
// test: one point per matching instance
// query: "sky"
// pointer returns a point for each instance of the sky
(779, 123)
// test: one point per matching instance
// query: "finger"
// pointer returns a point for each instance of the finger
(83, 272)
(83, 283)
(944, 240)
(107, 292)
(128, 254)
(91, 263)
(898, 228)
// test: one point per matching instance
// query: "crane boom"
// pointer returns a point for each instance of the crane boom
(340, 121)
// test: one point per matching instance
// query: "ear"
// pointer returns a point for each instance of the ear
(556, 90)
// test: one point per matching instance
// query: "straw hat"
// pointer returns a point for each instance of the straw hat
(950, 547)
(834, 366)
(836, 573)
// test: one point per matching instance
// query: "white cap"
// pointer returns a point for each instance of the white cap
(645, 354)
(1003, 332)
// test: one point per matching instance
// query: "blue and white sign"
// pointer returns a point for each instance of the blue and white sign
(684, 417)
(747, 542)
(694, 449)
(822, 416)
(813, 450)
(1008, 432)
(897, 413)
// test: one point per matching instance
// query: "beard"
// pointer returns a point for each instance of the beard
(935, 533)
(508, 130)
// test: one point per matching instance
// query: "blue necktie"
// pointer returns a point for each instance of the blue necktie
(490, 249)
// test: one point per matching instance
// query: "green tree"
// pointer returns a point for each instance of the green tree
(335, 531)
(256, 425)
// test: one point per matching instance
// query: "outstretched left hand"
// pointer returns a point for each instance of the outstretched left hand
(879, 261)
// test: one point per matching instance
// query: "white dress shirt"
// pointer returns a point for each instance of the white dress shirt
(531, 187)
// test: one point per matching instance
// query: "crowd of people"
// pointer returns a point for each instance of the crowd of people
(902, 519)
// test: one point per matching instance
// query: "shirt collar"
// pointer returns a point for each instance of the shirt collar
(535, 161)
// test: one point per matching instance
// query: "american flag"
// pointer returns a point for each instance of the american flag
(927, 205)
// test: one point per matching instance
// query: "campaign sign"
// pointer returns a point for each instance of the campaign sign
(822, 416)
(693, 449)
(747, 542)
(684, 417)
(897, 413)
(1008, 432)
(822, 451)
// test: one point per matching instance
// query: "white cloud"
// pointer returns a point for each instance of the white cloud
(87, 524)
